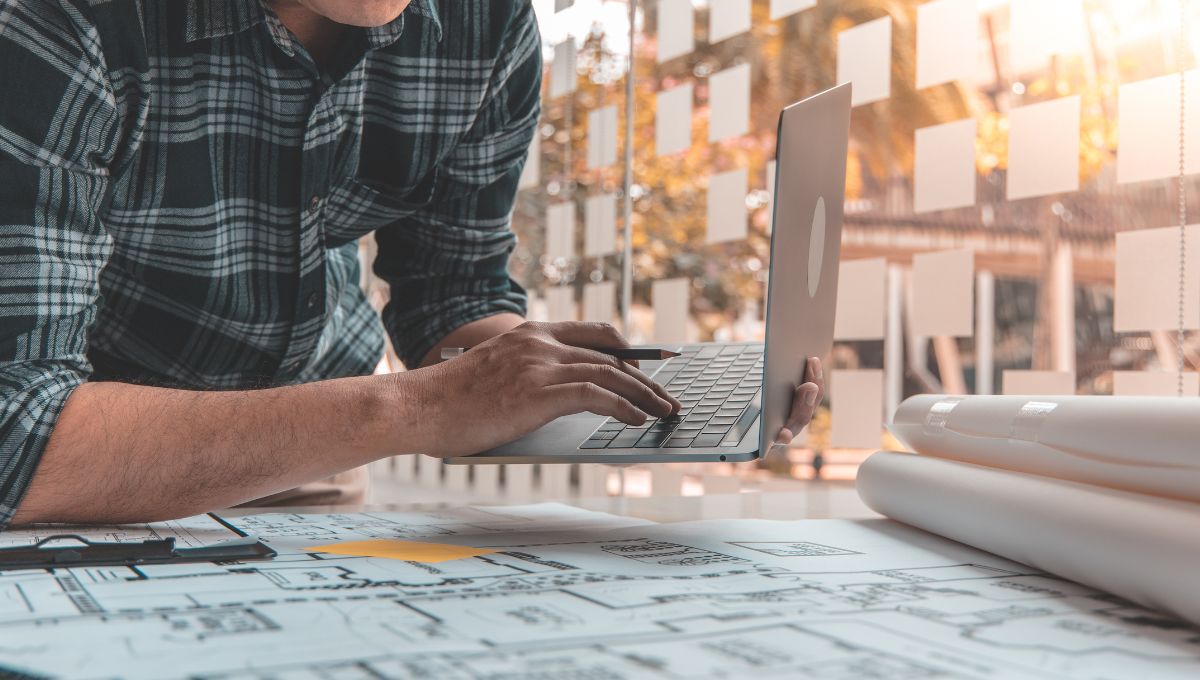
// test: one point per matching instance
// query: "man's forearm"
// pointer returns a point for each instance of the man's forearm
(125, 453)
(474, 333)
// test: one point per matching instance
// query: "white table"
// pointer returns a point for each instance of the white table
(808, 500)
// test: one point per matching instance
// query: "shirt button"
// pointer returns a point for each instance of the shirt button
(311, 301)
(314, 204)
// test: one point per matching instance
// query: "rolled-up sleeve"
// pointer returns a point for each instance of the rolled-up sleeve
(58, 126)
(447, 265)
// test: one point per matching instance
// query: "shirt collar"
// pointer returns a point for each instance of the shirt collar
(217, 18)
(385, 35)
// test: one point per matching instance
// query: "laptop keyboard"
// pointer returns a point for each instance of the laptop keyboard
(719, 388)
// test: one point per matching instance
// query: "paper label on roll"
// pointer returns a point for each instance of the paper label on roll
(1029, 420)
(939, 415)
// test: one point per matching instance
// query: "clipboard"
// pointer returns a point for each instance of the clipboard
(72, 550)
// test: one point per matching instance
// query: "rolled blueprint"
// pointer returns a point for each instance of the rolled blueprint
(1141, 548)
(1143, 444)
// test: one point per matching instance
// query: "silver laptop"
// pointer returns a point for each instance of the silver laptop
(736, 396)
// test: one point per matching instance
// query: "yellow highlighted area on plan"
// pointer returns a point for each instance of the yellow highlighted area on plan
(409, 551)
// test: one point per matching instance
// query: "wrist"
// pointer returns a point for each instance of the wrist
(409, 413)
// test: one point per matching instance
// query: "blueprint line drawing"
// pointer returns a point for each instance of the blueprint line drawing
(578, 595)
(795, 549)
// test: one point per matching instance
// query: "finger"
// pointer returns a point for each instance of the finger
(587, 334)
(785, 437)
(814, 374)
(804, 405)
(586, 396)
(617, 380)
(579, 355)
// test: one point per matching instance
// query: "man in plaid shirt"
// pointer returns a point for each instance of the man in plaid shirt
(182, 184)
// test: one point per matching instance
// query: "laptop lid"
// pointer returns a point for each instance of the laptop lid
(806, 239)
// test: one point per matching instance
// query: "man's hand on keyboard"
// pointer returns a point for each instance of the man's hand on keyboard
(804, 402)
(518, 381)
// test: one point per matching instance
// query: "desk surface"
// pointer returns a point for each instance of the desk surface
(809, 500)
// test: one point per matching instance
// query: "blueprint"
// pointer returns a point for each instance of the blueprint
(583, 596)
(1143, 548)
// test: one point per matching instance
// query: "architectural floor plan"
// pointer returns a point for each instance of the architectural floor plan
(586, 596)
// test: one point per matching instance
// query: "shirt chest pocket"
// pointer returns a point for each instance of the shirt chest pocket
(357, 206)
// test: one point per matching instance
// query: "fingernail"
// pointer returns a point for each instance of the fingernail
(810, 396)
(817, 367)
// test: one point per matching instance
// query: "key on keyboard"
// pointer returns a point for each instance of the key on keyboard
(717, 386)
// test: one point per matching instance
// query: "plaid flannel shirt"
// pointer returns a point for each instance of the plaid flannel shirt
(182, 186)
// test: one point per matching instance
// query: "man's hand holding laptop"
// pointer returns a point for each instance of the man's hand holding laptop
(519, 381)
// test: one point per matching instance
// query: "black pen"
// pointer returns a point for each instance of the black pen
(623, 353)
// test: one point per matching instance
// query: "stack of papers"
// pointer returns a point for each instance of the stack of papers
(548, 591)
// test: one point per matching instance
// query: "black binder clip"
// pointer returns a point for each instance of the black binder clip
(80, 552)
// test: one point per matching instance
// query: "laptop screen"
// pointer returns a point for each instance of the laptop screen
(809, 192)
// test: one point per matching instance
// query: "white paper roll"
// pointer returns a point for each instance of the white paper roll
(1143, 444)
(1141, 548)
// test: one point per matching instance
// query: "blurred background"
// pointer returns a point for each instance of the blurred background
(1013, 212)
